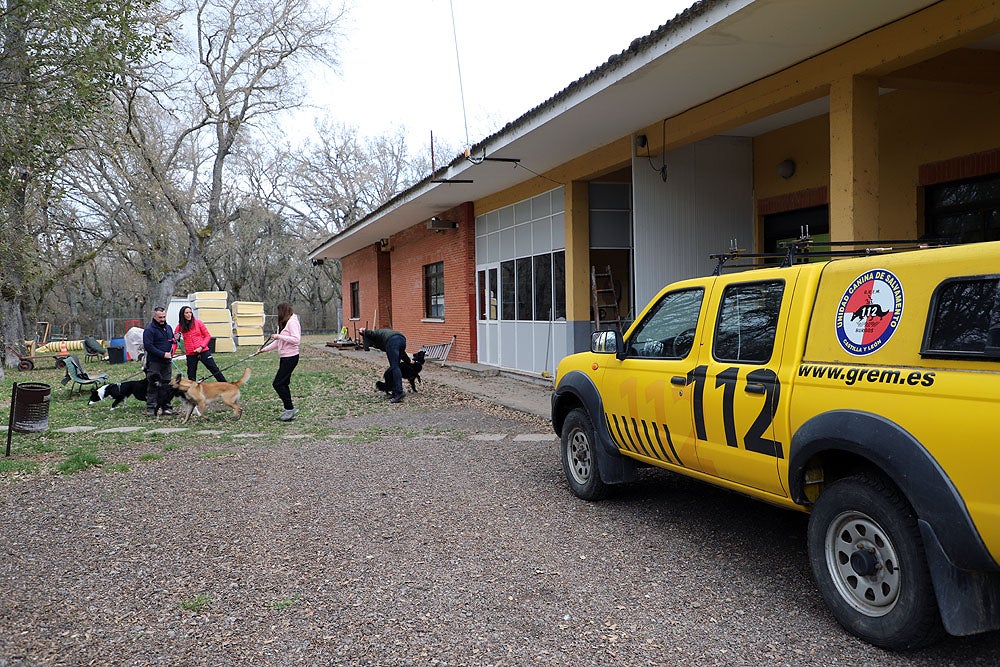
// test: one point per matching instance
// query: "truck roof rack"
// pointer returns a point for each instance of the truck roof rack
(806, 248)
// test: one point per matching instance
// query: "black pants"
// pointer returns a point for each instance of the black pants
(395, 348)
(158, 391)
(209, 361)
(281, 379)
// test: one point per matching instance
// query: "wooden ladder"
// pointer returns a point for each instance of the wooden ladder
(604, 299)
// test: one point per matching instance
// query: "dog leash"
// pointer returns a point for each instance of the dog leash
(235, 363)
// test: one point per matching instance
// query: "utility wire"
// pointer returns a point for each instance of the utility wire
(458, 63)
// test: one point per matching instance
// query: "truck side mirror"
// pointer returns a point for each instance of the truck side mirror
(605, 342)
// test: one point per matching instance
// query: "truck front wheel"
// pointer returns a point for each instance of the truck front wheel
(579, 457)
(868, 559)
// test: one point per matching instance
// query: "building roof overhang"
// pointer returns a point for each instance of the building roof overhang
(712, 48)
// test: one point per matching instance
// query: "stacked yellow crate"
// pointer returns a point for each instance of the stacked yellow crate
(210, 308)
(248, 318)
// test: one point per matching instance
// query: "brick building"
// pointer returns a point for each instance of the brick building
(736, 121)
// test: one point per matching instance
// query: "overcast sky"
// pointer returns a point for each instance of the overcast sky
(399, 65)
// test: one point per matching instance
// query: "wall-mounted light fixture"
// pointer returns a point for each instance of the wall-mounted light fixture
(439, 224)
(786, 168)
(318, 262)
(640, 140)
(383, 245)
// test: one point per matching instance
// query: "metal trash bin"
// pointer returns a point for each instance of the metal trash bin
(116, 354)
(30, 406)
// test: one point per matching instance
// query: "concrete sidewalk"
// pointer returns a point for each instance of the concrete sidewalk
(523, 392)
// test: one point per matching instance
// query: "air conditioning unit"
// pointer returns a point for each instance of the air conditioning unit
(439, 224)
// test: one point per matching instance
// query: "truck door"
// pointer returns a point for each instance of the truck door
(646, 401)
(735, 384)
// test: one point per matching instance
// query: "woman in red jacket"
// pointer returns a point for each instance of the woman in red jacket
(196, 340)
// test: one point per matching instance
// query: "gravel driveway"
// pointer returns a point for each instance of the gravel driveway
(436, 532)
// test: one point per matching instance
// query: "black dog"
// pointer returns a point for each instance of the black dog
(119, 391)
(410, 370)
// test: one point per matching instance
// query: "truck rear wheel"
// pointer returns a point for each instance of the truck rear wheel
(868, 560)
(579, 457)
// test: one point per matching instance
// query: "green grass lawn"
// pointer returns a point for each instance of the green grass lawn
(324, 387)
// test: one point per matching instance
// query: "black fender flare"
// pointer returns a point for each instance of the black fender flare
(577, 387)
(907, 463)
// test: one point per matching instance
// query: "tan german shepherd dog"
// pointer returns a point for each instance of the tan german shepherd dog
(200, 394)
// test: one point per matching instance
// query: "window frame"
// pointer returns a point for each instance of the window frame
(653, 313)
(720, 315)
(926, 351)
(355, 290)
(434, 291)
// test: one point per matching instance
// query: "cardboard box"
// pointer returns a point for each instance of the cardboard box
(207, 315)
(208, 303)
(247, 331)
(225, 344)
(208, 295)
(243, 320)
(219, 329)
(256, 341)
(248, 308)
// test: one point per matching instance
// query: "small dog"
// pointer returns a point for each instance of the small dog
(119, 391)
(197, 395)
(409, 369)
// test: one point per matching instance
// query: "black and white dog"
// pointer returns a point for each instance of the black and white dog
(410, 370)
(119, 391)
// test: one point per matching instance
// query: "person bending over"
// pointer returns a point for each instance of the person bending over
(393, 344)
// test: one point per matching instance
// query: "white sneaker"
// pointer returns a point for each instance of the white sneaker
(288, 415)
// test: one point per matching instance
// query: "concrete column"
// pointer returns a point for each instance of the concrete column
(854, 182)
(577, 229)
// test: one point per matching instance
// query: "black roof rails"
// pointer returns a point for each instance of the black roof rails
(806, 247)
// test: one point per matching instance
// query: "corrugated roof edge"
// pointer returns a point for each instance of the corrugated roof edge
(636, 47)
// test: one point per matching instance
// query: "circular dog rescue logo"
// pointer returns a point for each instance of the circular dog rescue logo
(869, 312)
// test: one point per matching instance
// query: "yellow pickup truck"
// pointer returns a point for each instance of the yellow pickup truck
(864, 390)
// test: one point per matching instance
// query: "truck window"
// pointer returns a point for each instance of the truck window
(748, 322)
(964, 316)
(667, 331)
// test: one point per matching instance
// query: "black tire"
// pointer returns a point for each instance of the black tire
(26, 364)
(868, 560)
(579, 457)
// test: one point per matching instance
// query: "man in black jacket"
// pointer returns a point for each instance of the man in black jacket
(393, 344)
(158, 341)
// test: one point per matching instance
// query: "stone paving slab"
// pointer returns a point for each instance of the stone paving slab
(76, 429)
(123, 429)
(166, 431)
(535, 437)
(491, 437)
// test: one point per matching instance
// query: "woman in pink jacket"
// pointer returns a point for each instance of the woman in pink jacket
(196, 340)
(287, 343)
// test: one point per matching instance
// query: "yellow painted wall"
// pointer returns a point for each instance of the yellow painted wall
(916, 127)
(807, 143)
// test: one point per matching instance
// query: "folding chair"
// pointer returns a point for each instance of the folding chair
(80, 378)
(95, 351)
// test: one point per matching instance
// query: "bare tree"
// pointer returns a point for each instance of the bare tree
(58, 62)
(172, 181)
